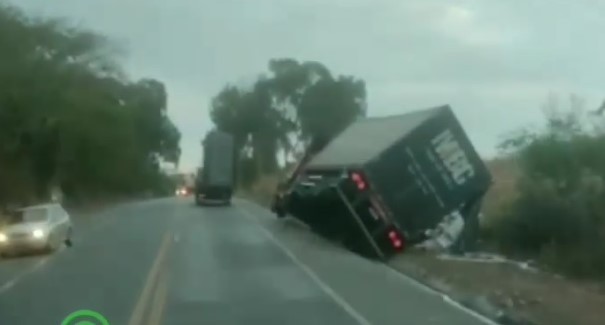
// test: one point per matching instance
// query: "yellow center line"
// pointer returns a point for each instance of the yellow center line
(159, 301)
(138, 313)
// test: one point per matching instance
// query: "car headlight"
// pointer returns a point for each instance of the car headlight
(38, 233)
(3, 238)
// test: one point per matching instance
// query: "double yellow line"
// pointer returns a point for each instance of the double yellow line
(152, 300)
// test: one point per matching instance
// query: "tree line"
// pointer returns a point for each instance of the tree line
(70, 118)
(291, 107)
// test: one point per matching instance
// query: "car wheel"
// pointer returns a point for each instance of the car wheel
(68, 238)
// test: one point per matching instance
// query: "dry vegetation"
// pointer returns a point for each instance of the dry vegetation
(503, 191)
(536, 297)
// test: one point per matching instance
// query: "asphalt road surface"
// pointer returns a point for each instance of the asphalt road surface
(169, 262)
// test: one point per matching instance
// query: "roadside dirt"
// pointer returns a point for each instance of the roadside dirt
(537, 296)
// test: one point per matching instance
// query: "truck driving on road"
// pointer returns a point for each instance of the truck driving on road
(215, 180)
(384, 182)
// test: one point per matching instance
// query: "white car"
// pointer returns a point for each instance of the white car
(36, 228)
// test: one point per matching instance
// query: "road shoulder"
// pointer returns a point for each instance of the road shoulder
(381, 294)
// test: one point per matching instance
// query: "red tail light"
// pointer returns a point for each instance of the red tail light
(397, 244)
(396, 240)
(358, 179)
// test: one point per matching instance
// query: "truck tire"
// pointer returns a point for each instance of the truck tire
(279, 210)
(278, 207)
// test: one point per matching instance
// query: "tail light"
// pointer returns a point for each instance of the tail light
(359, 181)
(396, 240)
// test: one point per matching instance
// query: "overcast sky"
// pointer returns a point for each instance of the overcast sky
(494, 61)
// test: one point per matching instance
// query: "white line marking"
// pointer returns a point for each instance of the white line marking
(12, 282)
(445, 297)
(329, 291)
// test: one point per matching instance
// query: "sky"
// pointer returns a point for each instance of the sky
(495, 62)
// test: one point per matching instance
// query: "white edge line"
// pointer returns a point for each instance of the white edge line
(329, 291)
(12, 282)
(445, 297)
(409, 279)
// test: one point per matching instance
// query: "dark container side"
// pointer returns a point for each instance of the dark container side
(429, 173)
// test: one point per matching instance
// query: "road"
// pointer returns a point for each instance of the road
(168, 262)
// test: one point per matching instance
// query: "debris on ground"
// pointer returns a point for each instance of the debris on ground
(489, 283)
(445, 234)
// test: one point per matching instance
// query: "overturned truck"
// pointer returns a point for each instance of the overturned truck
(384, 183)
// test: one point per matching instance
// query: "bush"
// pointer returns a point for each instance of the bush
(559, 214)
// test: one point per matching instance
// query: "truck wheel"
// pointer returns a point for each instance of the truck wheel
(278, 208)
(280, 213)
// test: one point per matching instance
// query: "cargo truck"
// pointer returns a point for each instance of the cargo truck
(215, 180)
(384, 182)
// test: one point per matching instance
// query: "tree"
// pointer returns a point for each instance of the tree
(69, 116)
(295, 105)
(558, 211)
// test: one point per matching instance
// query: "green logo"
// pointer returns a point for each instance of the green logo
(85, 317)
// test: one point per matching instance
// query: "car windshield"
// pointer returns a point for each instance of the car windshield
(27, 216)
(34, 215)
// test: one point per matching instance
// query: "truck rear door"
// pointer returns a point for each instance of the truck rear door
(219, 160)
(351, 212)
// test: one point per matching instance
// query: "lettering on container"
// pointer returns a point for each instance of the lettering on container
(439, 167)
(453, 157)
(421, 179)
